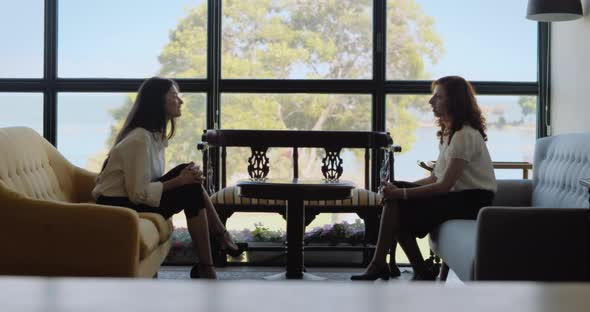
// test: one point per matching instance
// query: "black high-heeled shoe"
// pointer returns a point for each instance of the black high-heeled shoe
(195, 274)
(395, 272)
(219, 240)
(373, 273)
(429, 275)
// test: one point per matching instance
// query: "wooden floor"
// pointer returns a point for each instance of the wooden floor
(76, 294)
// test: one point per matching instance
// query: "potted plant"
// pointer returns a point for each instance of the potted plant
(262, 237)
(338, 235)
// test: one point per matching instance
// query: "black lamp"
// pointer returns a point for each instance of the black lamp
(554, 10)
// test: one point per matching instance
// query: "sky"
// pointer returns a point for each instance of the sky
(484, 40)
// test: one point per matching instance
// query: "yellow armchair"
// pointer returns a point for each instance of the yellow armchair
(49, 225)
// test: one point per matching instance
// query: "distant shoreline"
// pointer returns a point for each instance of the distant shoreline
(491, 126)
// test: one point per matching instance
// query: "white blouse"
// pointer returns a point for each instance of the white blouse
(133, 165)
(468, 144)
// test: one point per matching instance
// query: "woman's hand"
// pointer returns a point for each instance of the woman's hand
(191, 174)
(390, 191)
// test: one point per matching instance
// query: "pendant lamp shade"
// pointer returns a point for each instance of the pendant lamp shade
(554, 10)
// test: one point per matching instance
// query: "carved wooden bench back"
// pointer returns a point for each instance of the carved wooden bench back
(259, 141)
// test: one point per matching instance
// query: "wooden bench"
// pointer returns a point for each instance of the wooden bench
(378, 146)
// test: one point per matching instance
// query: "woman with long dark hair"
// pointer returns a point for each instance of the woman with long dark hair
(462, 182)
(133, 173)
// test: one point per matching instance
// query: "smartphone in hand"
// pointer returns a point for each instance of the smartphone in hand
(423, 165)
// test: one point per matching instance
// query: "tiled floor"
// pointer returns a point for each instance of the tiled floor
(258, 273)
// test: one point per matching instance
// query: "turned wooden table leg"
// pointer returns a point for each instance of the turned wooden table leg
(295, 226)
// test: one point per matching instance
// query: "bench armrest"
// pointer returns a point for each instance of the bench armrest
(55, 239)
(393, 148)
(202, 146)
(525, 243)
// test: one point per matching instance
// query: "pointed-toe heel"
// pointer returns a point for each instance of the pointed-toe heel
(395, 272)
(429, 275)
(218, 240)
(373, 273)
(195, 272)
(237, 252)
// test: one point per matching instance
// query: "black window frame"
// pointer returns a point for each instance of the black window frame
(378, 87)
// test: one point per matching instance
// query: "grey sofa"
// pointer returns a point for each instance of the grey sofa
(536, 230)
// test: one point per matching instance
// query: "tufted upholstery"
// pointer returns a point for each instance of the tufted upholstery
(32, 166)
(49, 226)
(560, 162)
(535, 230)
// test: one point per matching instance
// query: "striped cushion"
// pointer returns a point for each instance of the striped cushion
(361, 198)
(229, 197)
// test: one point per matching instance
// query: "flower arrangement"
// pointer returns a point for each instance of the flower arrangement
(351, 233)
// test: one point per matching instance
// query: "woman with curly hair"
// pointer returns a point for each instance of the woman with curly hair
(462, 182)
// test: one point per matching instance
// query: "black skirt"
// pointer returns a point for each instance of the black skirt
(419, 216)
(187, 197)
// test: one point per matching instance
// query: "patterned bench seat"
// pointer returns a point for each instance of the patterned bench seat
(228, 200)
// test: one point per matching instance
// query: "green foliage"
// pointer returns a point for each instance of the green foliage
(263, 234)
(528, 105)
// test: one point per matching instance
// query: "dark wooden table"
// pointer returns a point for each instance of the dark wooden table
(295, 191)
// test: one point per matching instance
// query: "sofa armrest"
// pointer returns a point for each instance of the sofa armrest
(62, 239)
(513, 193)
(84, 182)
(525, 243)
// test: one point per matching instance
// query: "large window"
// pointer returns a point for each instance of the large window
(85, 123)
(296, 112)
(511, 130)
(21, 34)
(480, 40)
(22, 109)
(272, 64)
(306, 39)
(132, 38)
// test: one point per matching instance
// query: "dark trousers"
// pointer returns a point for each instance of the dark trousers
(419, 216)
(188, 197)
